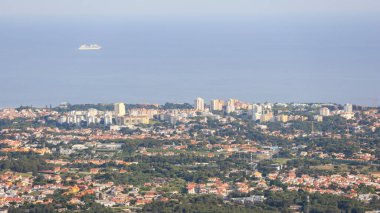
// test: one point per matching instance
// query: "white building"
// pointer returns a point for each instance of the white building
(92, 112)
(217, 105)
(324, 111)
(257, 112)
(348, 108)
(119, 109)
(230, 106)
(107, 119)
(199, 104)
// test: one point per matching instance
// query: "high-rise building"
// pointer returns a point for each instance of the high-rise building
(107, 118)
(230, 108)
(257, 111)
(233, 102)
(199, 104)
(266, 117)
(92, 112)
(230, 105)
(348, 108)
(119, 109)
(324, 111)
(217, 105)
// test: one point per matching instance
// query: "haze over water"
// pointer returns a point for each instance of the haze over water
(296, 58)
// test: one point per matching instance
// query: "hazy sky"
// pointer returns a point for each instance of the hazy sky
(173, 8)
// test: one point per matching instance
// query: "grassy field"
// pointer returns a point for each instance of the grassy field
(326, 167)
(26, 174)
(281, 160)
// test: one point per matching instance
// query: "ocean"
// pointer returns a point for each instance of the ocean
(286, 59)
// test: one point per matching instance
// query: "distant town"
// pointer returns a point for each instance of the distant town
(219, 156)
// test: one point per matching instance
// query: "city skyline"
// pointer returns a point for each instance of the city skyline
(211, 103)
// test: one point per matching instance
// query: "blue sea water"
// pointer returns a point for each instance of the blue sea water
(287, 59)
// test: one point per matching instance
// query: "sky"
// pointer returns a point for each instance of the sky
(156, 51)
(175, 8)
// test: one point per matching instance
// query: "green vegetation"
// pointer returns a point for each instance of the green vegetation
(275, 202)
(23, 162)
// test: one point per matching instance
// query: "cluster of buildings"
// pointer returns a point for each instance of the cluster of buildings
(229, 135)
(262, 113)
(334, 184)
(18, 188)
(346, 113)
(229, 106)
(107, 118)
(29, 113)
(213, 186)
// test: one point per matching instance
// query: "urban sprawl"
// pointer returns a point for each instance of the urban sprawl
(221, 156)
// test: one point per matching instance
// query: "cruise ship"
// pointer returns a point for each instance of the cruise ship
(89, 47)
